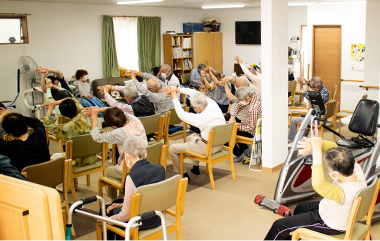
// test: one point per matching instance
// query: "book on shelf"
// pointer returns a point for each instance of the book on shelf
(176, 40)
(187, 53)
(177, 52)
(187, 64)
(186, 42)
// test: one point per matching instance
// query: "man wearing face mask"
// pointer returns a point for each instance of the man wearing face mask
(239, 83)
(330, 215)
(252, 101)
(141, 173)
(167, 76)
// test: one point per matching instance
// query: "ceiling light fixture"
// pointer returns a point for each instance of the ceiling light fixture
(341, 3)
(137, 2)
(300, 4)
(223, 6)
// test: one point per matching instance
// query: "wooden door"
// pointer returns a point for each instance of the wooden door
(218, 52)
(201, 48)
(327, 46)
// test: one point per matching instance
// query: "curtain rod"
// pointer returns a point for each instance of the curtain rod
(131, 16)
(15, 14)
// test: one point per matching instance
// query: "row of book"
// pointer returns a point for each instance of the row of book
(187, 53)
(177, 52)
(176, 40)
(187, 64)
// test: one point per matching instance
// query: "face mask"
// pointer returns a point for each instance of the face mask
(163, 75)
(85, 77)
(335, 179)
(243, 102)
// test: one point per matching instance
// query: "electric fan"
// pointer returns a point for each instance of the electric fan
(27, 66)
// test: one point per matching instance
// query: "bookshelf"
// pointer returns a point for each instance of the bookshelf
(179, 53)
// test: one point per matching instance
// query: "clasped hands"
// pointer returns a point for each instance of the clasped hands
(91, 111)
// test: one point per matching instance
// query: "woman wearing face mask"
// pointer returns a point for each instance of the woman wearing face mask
(330, 215)
(248, 124)
(83, 91)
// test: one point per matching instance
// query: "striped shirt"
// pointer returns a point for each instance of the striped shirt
(126, 108)
(248, 124)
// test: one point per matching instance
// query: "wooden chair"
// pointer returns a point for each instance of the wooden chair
(362, 209)
(185, 79)
(218, 136)
(51, 174)
(299, 93)
(292, 85)
(158, 196)
(85, 146)
(333, 92)
(172, 118)
(153, 124)
(157, 154)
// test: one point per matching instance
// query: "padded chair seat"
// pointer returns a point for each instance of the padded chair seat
(359, 231)
(118, 180)
(87, 167)
(218, 154)
(176, 133)
(343, 114)
(175, 129)
(350, 144)
(152, 141)
(145, 233)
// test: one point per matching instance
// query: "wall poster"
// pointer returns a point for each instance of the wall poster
(357, 56)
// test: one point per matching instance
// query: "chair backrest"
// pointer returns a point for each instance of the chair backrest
(331, 106)
(150, 123)
(185, 78)
(367, 195)
(106, 81)
(173, 117)
(84, 146)
(50, 173)
(365, 126)
(159, 196)
(154, 153)
(292, 86)
(333, 92)
(222, 133)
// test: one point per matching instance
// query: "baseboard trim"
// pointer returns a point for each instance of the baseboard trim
(268, 169)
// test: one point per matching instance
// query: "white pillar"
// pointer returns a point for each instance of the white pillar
(274, 47)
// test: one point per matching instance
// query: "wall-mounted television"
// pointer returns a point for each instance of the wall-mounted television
(248, 32)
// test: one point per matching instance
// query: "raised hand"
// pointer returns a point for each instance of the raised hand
(304, 146)
(166, 90)
(238, 60)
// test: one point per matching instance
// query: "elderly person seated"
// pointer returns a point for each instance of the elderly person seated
(208, 115)
(195, 76)
(142, 173)
(167, 76)
(220, 95)
(125, 126)
(137, 105)
(251, 101)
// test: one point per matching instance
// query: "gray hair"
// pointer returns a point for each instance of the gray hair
(153, 84)
(242, 93)
(199, 100)
(317, 82)
(243, 81)
(130, 91)
(135, 147)
(167, 67)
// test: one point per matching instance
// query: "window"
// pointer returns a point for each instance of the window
(13, 29)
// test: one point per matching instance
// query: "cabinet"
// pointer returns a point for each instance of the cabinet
(178, 53)
(209, 50)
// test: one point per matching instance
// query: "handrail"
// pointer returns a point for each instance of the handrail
(352, 80)
(368, 87)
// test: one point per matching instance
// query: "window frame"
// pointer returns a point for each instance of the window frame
(24, 26)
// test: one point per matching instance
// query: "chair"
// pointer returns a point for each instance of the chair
(158, 196)
(84, 146)
(157, 154)
(345, 113)
(153, 124)
(333, 92)
(51, 174)
(292, 85)
(362, 208)
(173, 119)
(218, 136)
(185, 79)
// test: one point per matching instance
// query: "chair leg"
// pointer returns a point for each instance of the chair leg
(88, 180)
(100, 188)
(232, 167)
(211, 176)
(339, 124)
(99, 228)
(178, 232)
(207, 169)
(73, 192)
(181, 160)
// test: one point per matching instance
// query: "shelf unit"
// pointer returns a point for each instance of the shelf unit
(179, 53)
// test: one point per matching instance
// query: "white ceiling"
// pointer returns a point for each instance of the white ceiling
(181, 3)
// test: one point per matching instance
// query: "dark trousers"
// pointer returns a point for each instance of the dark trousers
(8, 169)
(240, 147)
(305, 215)
(228, 116)
(224, 108)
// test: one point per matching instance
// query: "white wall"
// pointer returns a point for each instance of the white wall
(352, 17)
(68, 37)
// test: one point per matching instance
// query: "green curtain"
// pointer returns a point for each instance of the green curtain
(110, 65)
(149, 42)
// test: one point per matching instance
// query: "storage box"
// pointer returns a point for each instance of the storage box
(192, 27)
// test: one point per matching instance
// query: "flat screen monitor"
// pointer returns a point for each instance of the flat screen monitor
(248, 32)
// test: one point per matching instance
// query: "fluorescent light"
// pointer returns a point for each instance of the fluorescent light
(223, 6)
(300, 4)
(142, 1)
(340, 3)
